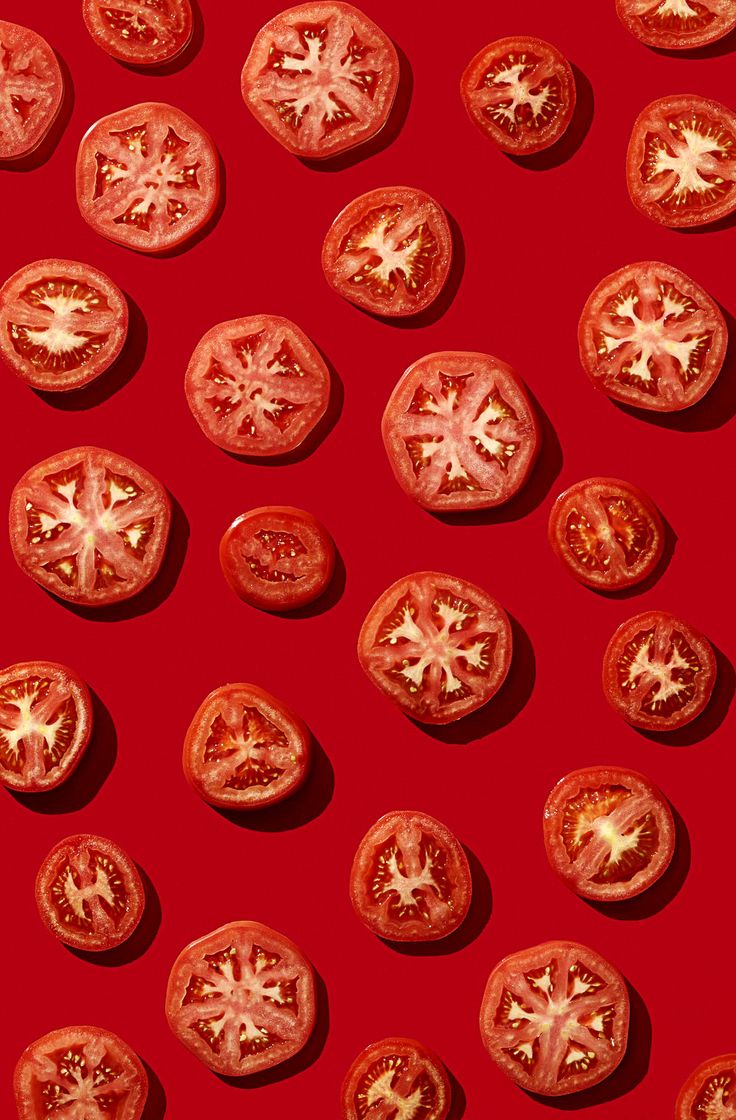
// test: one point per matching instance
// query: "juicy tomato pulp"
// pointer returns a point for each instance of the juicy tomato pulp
(147, 177)
(389, 251)
(658, 671)
(241, 998)
(520, 92)
(677, 24)
(410, 879)
(321, 78)
(396, 1077)
(710, 1091)
(681, 162)
(89, 893)
(89, 526)
(460, 432)
(140, 32)
(608, 832)
(257, 386)
(555, 1018)
(31, 90)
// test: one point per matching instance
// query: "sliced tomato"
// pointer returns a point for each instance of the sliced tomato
(681, 162)
(389, 251)
(321, 78)
(277, 558)
(140, 32)
(31, 90)
(460, 431)
(89, 893)
(257, 386)
(396, 1077)
(675, 25)
(242, 998)
(555, 1018)
(147, 177)
(658, 671)
(710, 1091)
(89, 525)
(410, 879)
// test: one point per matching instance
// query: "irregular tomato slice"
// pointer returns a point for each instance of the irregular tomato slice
(321, 78)
(242, 998)
(257, 385)
(681, 162)
(677, 24)
(89, 525)
(410, 879)
(519, 91)
(396, 1077)
(460, 432)
(31, 90)
(710, 1091)
(436, 645)
(147, 177)
(555, 1018)
(658, 671)
(140, 32)
(389, 251)
(89, 893)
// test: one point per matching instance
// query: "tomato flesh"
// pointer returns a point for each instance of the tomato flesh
(710, 1091)
(677, 24)
(396, 1077)
(140, 32)
(31, 90)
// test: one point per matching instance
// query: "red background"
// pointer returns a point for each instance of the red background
(533, 242)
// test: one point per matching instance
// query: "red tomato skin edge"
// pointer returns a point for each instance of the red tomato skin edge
(708, 1068)
(146, 66)
(398, 1043)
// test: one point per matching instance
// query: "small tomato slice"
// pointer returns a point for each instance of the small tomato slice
(710, 1091)
(140, 32)
(31, 90)
(396, 1077)
(677, 25)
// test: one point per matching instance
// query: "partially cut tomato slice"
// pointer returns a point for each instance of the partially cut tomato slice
(139, 32)
(710, 1091)
(677, 25)
(31, 90)
(393, 1078)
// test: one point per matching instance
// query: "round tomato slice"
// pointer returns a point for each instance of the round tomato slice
(89, 525)
(389, 251)
(396, 1077)
(460, 432)
(89, 893)
(31, 90)
(321, 78)
(710, 1091)
(410, 879)
(520, 91)
(658, 671)
(148, 177)
(681, 162)
(676, 25)
(555, 1018)
(257, 386)
(140, 32)
(84, 1072)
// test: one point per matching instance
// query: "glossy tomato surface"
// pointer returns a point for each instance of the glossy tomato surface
(710, 1091)
(677, 25)
(31, 90)
(395, 1076)
(140, 32)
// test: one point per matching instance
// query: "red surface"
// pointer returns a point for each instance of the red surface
(537, 240)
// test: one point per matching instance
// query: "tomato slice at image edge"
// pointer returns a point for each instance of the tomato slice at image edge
(674, 26)
(396, 1073)
(709, 1091)
(31, 93)
(140, 32)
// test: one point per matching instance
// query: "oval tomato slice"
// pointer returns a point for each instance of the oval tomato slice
(460, 432)
(140, 32)
(321, 78)
(396, 1077)
(389, 251)
(677, 24)
(710, 1091)
(658, 671)
(147, 177)
(31, 90)
(242, 998)
(410, 879)
(257, 386)
(555, 1018)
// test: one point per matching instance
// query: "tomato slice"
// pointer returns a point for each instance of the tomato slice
(31, 90)
(410, 879)
(555, 1017)
(389, 251)
(257, 386)
(681, 162)
(520, 92)
(147, 177)
(89, 893)
(658, 671)
(321, 78)
(436, 645)
(710, 1091)
(80, 1072)
(677, 24)
(460, 432)
(140, 32)
(396, 1077)
(89, 525)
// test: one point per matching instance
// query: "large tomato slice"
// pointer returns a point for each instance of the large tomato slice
(139, 32)
(321, 78)
(410, 879)
(80, 1073)
(31, 90)
(89, 525)
(257, 385)
(460, 431)
(241, 998)
(393, 1078)
(436, 645)
(608, 832)
(681, 162)
(710, 1091)
(658, 671)
(555, 1017)
(677, 24)
(147, 177)
(389, 251)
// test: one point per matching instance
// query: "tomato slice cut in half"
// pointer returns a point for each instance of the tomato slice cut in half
(321, 78)
(389, 251)
(555, 1018)
(710, 1091)
(675, 25)
(396, 1077)
(460, 432)
(410, 879)
(140, 32)
(257, 386)
(148, 177)
(31, 90)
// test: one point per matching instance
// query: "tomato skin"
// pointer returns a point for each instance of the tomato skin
(715, 19)
(715, 1074)
(413, 1065)
(170, 29)
(33, 64)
